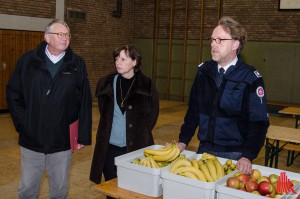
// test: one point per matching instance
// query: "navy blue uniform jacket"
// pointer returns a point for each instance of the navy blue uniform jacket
(231, 118)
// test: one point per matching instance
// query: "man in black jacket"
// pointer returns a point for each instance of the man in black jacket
(227, 101)
(47, 92)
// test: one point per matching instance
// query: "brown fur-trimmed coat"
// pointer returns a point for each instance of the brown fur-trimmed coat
(142, 108)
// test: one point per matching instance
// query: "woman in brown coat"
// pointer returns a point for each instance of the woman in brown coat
(129, 106)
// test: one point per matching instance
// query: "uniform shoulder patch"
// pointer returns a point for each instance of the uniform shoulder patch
(258, 75)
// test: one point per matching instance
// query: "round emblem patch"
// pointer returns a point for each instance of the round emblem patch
(260, 91)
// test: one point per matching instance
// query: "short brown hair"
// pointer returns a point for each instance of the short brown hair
(235, 29)
(133, 52)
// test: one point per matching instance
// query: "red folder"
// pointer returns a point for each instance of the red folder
(74, 135)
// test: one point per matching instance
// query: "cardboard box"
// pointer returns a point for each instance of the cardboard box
(224, 192)
(140, 179)
(180, 187)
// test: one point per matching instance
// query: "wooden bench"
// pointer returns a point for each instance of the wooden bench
(281, 138)
(292, 148)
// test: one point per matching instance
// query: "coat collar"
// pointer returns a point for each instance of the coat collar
(142, 86)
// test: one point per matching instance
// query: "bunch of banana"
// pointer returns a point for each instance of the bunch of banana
(229, 166)
(211, 167)
(185, 168)
(164, 154)
(146, 162)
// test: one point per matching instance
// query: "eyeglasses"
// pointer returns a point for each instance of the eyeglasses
(61, 35)
(219, 40)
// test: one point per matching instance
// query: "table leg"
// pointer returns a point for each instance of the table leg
(277, 153)
(267, 152)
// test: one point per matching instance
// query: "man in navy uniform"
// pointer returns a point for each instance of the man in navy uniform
(227, 101)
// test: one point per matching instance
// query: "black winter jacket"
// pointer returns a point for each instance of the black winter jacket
(231, 118)
(142, 108)
(42, 107)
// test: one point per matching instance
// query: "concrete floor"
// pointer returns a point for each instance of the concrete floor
(167, 128)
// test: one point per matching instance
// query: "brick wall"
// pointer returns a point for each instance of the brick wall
(96, 38)
(262, 19)
(46, 8)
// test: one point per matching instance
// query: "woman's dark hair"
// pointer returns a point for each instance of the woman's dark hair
(131, 51)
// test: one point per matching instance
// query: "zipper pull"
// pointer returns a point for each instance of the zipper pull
(48, 92)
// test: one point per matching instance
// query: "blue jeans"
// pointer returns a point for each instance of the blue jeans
(222, 154)
(33, 165)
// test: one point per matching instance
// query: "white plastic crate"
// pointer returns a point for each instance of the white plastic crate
(180, 187)
(140, 179)
(224, 192)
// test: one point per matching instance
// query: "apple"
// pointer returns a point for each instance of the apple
(265, 188)
(294, 182)
(244, 178)
(233, 182)
(238, 173)
(275, 186)
(256, 192)
(251, 186)
(273, 178)
(278, 196)
(263, 178)
(242, 189)
(255, 174)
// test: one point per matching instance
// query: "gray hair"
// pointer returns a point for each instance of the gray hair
(54, 21)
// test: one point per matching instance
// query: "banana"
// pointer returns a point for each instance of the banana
(136, 161)
(229, 162)
(142, 161)
(219, 168)
(167, 156)
(147, 162)
(199, 174)
(204, 169)
(189, 175)
(157, 152)
(153, 164)
(179, 163)
(175, 155)
(194, 163)
(225, 167)
(212, 169)
(207, 156)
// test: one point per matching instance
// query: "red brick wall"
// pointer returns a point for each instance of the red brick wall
(262, 19)
(96, 38)
(33, 8)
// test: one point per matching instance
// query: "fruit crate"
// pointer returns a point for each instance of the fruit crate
(140, 179)
(180, 187)
(224, 192)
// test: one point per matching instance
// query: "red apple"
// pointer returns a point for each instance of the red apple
(273, 178)
(263, 178)
(251, 186)
(265, 188)
(244, 178)
(242, 189)
(233, 182)
(255, 174)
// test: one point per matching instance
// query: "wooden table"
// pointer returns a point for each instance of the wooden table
(110, 188)
(282, 137)
(295, 111)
